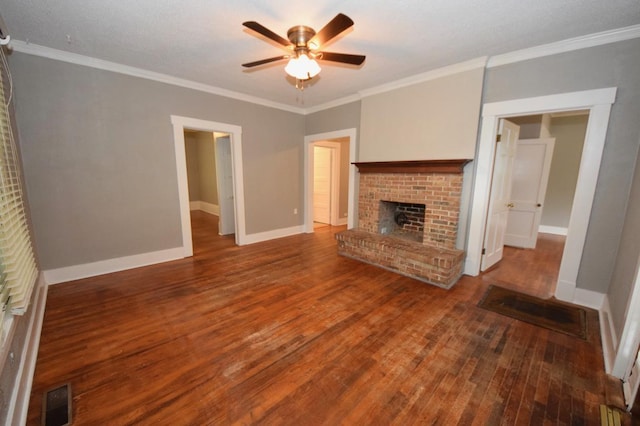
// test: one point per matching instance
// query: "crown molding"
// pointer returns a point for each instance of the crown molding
(577, 43)
(87, 61)
(429, 75)
(333, 104)
(591, 40)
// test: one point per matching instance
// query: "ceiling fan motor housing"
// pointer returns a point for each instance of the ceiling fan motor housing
(300, 35)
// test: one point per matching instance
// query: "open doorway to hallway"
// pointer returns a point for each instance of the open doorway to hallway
(210, 178)
(543, 179)
(329, 180)
(233, 149)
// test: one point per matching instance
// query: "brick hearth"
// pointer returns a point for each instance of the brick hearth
(437, 185)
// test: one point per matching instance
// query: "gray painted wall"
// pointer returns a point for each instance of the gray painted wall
(529, 125)
(338, 118)
(628, 255)
(201, 167)
(99, 160)
(565, 165)
(193, 172)
(611, 65)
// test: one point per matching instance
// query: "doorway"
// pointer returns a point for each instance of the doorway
(180, 124)
(598, 103)
(543, 180)
(210, 177)
(326, 182)
(343, 182)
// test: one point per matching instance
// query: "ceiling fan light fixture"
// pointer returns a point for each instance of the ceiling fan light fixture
(302, 68)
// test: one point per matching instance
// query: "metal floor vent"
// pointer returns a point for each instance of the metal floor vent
(609, 416)
(56, 406)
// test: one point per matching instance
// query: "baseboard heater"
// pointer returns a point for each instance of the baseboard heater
(56, 406)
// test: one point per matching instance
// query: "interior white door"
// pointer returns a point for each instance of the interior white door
(224, 170)
(530, 177)
(631, 385)
(499, 200)
(626, 364)
(322, 184)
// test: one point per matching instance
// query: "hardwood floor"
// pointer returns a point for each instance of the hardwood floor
(529, 271)
(287, 332)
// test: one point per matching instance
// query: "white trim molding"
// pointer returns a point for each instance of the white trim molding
(588, 298)
(582, 42)
(272, 235)
(210, 208)
(332, 104)
(87, 61)
(21, 390)
(76, 272)
(555, 230)
(427, 76)
(599, 103)
(607, 335)
(630, 334)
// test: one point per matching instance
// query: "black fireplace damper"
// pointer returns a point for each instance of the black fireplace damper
(401, 220)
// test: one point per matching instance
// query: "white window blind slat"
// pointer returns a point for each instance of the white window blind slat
(18, 270)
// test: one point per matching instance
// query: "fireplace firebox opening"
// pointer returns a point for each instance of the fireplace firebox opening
(401, 220)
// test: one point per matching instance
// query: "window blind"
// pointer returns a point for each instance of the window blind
(18, 270)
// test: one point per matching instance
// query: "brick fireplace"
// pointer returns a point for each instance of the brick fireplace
(408, 219)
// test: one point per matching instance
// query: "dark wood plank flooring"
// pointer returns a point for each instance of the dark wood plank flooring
(287, 332)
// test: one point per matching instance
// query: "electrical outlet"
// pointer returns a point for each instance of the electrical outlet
(295, 211)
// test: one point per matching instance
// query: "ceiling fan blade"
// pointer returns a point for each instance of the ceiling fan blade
(336, 26)
(267, 33)
(264, 61)
(341, 57)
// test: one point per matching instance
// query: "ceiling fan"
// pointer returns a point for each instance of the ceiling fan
(305, 44)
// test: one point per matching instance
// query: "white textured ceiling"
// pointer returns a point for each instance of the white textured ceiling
(205, 42)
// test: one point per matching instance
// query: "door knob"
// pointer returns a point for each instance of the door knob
(510, 205)
(538, 205)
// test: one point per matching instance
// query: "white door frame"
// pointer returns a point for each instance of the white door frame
(629, 342)
(308, 177)
(223, 201)
(598, 102)
(334, 183)
(179, 125)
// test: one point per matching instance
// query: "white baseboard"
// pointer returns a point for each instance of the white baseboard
(205, 207)
(608, 336)
(76, 272)
(19, 402)
(565, 291)
(556, 230)
(210, 208)
(271, 235)
(588, 298)
(341, 221)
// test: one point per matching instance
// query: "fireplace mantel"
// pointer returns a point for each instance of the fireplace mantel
(420, 166)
